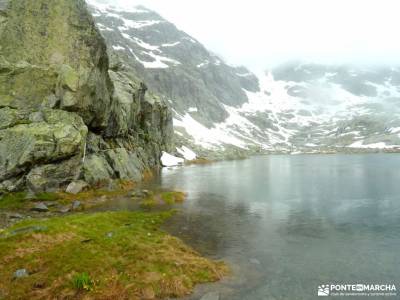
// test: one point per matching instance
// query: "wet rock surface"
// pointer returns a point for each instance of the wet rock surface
(76, 205)
(76, 186)
(40, 207)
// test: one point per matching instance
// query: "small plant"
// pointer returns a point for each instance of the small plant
(82, 281)
(148, 202)
(173, 197)
(47, 197)
(13, 200)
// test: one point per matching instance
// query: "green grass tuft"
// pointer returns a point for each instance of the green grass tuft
(47, 197)
(82, 281)
(13, 200)
(163, 198)
(173, 197)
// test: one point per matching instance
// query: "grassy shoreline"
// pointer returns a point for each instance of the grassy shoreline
(101, 255)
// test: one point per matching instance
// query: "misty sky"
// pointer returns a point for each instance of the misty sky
(263, 33)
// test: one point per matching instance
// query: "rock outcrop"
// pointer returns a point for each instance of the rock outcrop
(64, 113)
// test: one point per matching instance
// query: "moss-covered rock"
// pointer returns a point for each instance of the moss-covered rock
(57, 135)
(96, 169)
(55, 88)
(126, 164)
(51, 177)
(23, 85)
(54, 48)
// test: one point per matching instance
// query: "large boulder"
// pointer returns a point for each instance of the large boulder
(96, 169)
(39, 138)
(53, 49)
(125, 164)
(64, 115)
(53, 177)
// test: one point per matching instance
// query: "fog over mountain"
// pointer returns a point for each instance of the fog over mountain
(267, 33)
(296, 106)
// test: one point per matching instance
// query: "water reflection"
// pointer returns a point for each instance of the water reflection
(215, 236)
(289, 223)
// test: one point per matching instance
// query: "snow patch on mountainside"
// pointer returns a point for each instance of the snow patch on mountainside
(380, 145)
(203, 64)
(144, 44)
(171, 44)
(169, 160)
(159, 62)
(103, 27)
(394, 130)
(139, 24)
(118, 47)
(209, 138)
(187, 153)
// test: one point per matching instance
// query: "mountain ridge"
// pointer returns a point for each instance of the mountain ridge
(218, 107)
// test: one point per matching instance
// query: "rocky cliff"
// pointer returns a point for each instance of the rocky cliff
(65, 113)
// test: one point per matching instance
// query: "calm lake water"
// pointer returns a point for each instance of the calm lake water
(287, 224)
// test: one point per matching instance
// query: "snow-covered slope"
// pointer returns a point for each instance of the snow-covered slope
(296, 107)
(336, 106)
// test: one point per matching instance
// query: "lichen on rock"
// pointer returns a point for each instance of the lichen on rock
(64, 115)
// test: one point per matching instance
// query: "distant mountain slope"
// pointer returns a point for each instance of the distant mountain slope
(295, 107)
(338, 105)
(173, 63)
